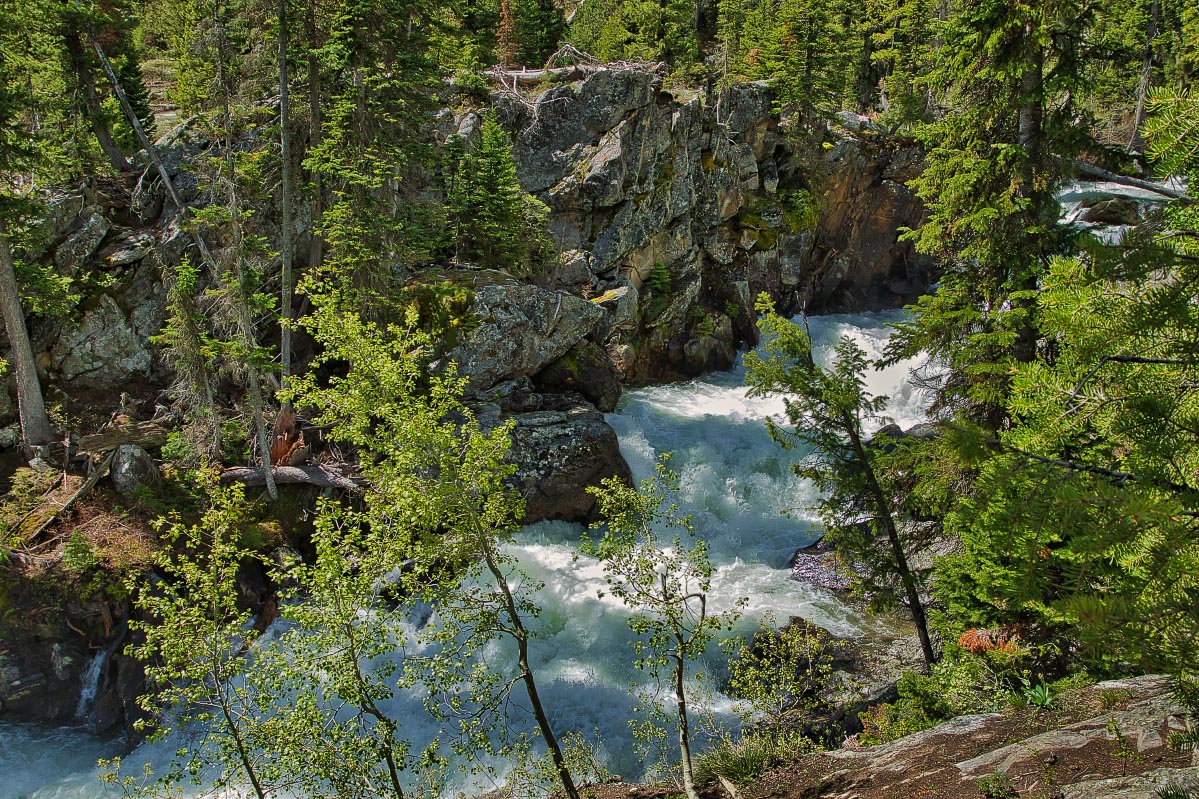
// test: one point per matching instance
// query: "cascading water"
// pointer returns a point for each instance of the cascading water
(90, 684)
(735, 482)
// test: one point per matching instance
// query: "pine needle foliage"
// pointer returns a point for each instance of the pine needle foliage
(827, 411)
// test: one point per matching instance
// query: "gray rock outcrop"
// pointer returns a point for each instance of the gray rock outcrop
(676, 210)
(521, 330)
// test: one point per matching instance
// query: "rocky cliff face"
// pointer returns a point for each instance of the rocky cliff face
(675, 210)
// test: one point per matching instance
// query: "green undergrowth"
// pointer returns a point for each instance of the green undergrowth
(741, 761)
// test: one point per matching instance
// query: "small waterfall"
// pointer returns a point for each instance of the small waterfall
(90, 684)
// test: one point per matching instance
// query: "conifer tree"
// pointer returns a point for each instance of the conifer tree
(17, 149)
(1008, 71)
(827, 409)
(1082, 526)
(494, 223)
(812, 59)
(540, 25)
(372, 150)
(507, 47)
(901, 51)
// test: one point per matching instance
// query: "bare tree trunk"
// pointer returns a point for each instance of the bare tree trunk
(285, 277)
(152, 151)
(883, 511)
(35, 424)
(1137, 144)
(95, 113)
(684, 725)
(315, 135)
(521, 634)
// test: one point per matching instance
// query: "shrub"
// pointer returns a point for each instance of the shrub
(997, 786)
(961, 683)
(753, 755)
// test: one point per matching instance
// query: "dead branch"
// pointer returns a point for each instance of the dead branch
(323, 476)
(1148, 185)
(83, 491)
(143, 434)
(533, 77)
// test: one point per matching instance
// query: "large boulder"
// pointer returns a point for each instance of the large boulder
(133, 468)
(559, 452)
(71, 255)
(587, 369)
(108, 347)
(521, 330)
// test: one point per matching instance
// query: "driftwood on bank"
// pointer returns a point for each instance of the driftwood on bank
(143, 434)
(322, 476)
(1148, 185)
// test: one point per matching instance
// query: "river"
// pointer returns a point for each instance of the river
(736, 484)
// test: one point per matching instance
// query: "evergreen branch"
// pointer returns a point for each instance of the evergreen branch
(1117, 477)
(1129, 359)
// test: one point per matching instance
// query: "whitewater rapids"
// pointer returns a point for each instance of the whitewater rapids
(735, 482)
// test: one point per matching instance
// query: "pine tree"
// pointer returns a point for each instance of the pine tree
(827, 409)
(1083, 523)
(507, 46)
(540, 26)
(372, 150)
(1008, 71)
(494, 223)
(812, 59)
(17, 151)
(901, 51)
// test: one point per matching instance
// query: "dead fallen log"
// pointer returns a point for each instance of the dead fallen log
(143, 434)
(1136, 183)
(322, 476)
(533, 77)
(85, 489)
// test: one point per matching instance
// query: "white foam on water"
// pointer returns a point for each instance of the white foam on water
(90, 684)
(735, 482)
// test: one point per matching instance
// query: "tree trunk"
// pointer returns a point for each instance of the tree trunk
(152, 151)
(1137, 144)
(35, 424)
(680, 697)
(95, 113)
(233, 288)
(883, 509)
(526, 674)
(315, 135)
(1030, 136)
(865, 87)
(323, 476)
(285, 276)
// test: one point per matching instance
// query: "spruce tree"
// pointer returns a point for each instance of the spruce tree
(540, 26)
(1082, 525)
(1008, 72)
(494, 223)
(863, 507)
(813, 60)
(18, 150)
(372, 153)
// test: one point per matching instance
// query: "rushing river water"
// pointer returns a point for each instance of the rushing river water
(734, 481)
